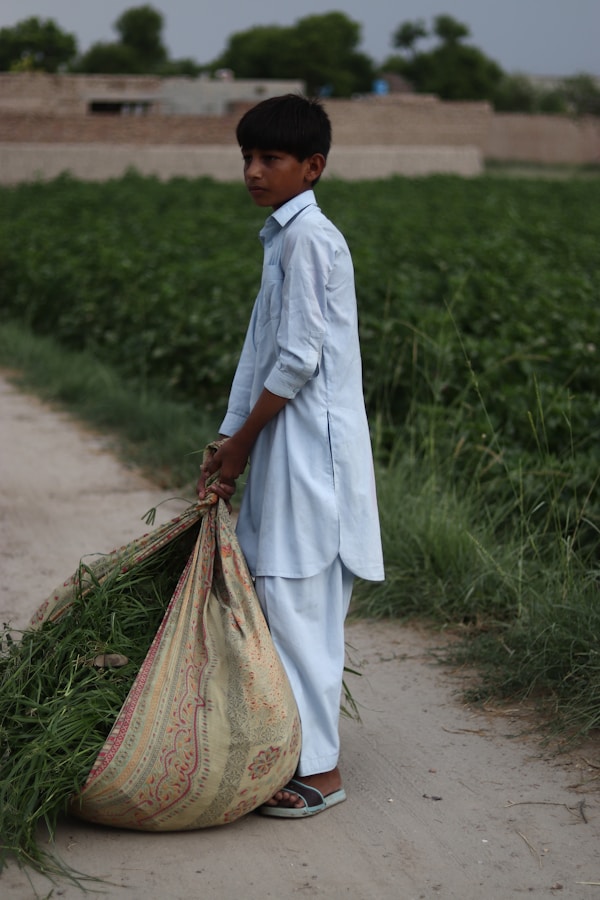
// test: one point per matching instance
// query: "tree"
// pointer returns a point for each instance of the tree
(449, 30)
(518, 93)
(581, 94)
(140, 29)
(456, 72)
(110, 58)
(323, 48)
(319, 50)
(255, 53)
(140, 50)
(36, 45)
(184, 67)
(452, 70)
(407, 34)
(515, 93)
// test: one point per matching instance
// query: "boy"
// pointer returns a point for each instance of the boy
(308, 522)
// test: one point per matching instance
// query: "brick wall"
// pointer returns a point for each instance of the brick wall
(45, 109)
(409, 120)
(398, 122)
(97, 162)
(69, 95)
(543, 139)
(148, 130)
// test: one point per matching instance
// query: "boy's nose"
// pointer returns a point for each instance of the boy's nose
(253, 168)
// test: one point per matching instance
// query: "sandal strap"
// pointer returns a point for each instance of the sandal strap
(310, 795)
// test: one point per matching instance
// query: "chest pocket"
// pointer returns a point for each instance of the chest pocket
(269, 299)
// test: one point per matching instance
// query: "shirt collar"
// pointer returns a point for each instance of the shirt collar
(290, 209)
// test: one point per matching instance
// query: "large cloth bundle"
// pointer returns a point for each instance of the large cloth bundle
(209, 730)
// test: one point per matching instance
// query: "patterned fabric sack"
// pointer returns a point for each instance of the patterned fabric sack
(210, 729)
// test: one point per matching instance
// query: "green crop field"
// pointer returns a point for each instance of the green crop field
(479, 304)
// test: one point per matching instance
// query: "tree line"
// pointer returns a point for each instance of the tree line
(320, 50)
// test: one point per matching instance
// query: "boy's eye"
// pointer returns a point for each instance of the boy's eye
(265, 158)
(248, 157)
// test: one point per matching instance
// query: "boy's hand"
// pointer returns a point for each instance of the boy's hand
(221, 488)
(231, 454)
(230, 460)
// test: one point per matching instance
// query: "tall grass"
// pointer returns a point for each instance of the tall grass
(478, 540)
(444, 560)
(161, 435)
(522, 599)
(486, 543)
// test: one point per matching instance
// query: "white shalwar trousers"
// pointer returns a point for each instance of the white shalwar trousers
(306, 620)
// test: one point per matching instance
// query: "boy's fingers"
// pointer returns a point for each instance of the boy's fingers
(207, 469)
(224, 489)
(205, 474)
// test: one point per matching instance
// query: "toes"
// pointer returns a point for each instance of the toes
(285, 798)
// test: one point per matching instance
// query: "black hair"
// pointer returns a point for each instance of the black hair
(290, 123)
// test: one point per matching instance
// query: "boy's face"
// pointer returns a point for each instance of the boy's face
(273, 177)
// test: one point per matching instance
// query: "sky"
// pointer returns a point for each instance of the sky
(536, 37)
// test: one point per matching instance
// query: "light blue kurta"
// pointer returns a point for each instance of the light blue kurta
(310, 493)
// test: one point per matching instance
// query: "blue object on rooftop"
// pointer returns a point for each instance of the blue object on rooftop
(380, 87)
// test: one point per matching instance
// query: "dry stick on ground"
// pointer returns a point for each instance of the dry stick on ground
(532, 848)
(579, 806)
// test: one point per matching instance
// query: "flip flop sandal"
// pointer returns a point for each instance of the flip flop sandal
(314, 801)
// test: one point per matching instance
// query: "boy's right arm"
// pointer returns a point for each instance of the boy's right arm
(232, 456)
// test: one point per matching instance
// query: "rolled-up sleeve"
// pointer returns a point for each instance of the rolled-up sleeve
(240, 397)
(306, 262)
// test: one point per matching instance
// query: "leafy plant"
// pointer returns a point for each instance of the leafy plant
(479, 316)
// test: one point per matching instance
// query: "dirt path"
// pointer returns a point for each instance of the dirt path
(443, 802)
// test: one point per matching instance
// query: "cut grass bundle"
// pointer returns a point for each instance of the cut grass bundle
(58, 701)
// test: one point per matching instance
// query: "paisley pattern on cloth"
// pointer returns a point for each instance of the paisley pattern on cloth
(210, 729)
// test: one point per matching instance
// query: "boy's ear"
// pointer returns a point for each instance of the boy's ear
(314, 167)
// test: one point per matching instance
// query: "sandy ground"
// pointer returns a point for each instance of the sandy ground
(443, 801)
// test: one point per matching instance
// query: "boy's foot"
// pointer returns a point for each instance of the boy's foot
(306, 796)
